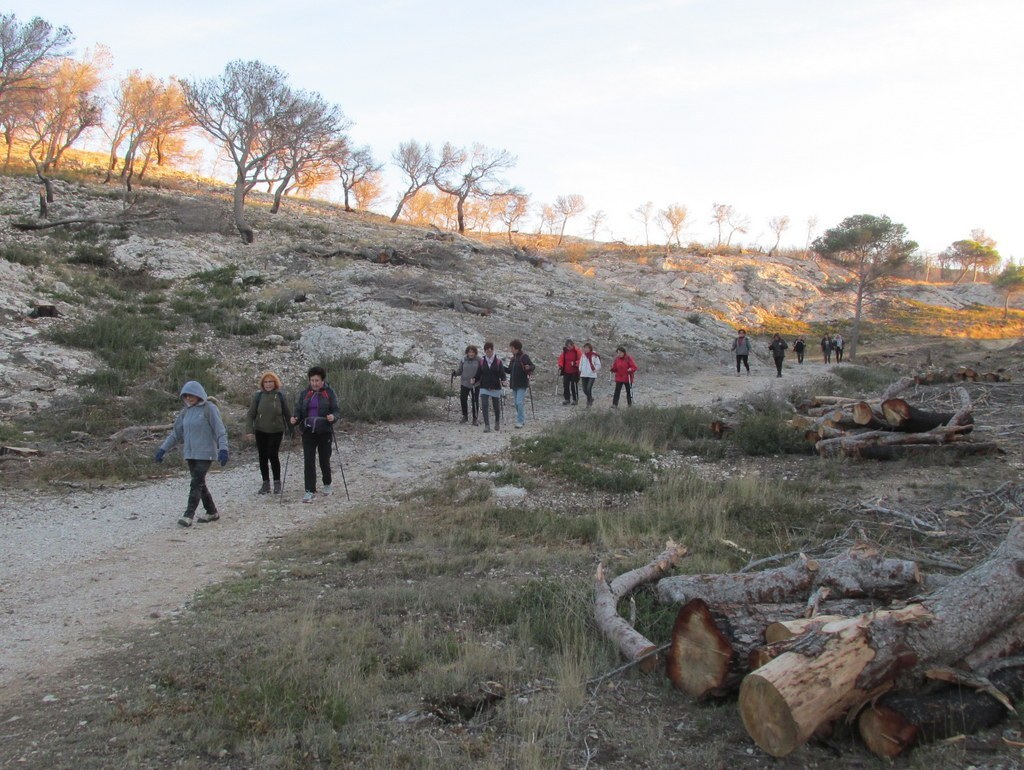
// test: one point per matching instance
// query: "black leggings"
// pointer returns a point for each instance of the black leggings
(618, 390)
(778, 365)
(740, 359)
(313, 444)
(467, 395)
(570, 387)
(268, 445)
(494, 401)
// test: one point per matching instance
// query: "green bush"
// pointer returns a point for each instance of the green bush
(93, 254)
(21, 255)
(596, 463)
(125, 341)
(189, 365)
(768, 434)
(367, 397)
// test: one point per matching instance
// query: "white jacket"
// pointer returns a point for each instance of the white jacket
(586, 370)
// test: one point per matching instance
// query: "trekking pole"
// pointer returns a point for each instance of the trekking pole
(533, 409)
(451, 389)
(287, 459)
(341, 465)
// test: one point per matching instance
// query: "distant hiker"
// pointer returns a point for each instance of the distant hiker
(623, 367)
(826, 348)
(590, 365)
(467, 371)
(490, 377)
(267, 419)
(569, 369)
(778, 348)
(316, 411)
(201, 432)
(741, 346)
(519, 369)
(838, 343)
(798, 347)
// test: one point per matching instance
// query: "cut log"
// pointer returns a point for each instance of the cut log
(899, 720)
(904, 417)
(1007, 643)
(868, 417)
(862, 571)
(902, 451)
(855, 445)
(897, 387)
(632, 644)
(846, 662)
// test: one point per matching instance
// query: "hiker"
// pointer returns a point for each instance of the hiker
(201, 432)
(468, 392)
(519, 369)
(741, 346)
(316, 411)
(838, 342)
(569, 370)
(778, 348)
(489, 379)
(590, 365)
(623, 367)
(266, 421)
(798, 348)
(826, 348)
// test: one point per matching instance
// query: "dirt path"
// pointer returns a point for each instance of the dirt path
(79, 569)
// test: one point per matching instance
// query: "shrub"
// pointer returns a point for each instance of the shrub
(21, 255)
(95, 255)
(189, 365)
(599, 463)
(768, 434)
(122, 339)
(368, 397)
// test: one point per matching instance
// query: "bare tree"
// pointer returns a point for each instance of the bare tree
(812, 228)
(567, 207)
(737, 223)
(644, 212)
(596, 221)
(247, 109)
(354, 168)
(471, 174)
(417, 163)
(369, 190)
(546, 219)
(719, 217)
(515, 206)
(672, 221)
(778, 225)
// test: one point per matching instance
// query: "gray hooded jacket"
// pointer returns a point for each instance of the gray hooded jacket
(198, 428)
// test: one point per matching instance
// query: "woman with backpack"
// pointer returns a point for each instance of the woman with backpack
(590, 365)
(316, 411)
(202, 435)
(623, 367)
(490, 377)
(467, 372)
(778, 348)
(569, 368)
(267, 419)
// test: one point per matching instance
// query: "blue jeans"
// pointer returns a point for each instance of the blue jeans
(520, 400)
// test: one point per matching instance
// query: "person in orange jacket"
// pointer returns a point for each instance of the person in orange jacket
(623, 367)
(569, 368)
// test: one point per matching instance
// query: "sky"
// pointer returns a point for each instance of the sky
(802, 108)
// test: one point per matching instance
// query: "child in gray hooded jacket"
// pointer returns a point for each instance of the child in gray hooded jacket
(201, 432)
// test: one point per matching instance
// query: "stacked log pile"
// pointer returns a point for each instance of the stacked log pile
(963, 374)
(859, 637)
(888, 427)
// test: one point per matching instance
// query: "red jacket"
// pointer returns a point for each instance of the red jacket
(569, 361)
(623, 368)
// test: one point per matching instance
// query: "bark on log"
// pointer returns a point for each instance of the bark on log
(899, 452)
(897, 387)
(907, 418)
(846, 662)
(711, 647)
(862, 571)
(632, 644)
(1007, 643)
(854, 445)
(900, 720)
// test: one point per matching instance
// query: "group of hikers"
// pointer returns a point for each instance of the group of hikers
(831, 344)
(200, 429)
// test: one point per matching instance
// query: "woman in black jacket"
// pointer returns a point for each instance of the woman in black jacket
(490, 378)
(316, 411)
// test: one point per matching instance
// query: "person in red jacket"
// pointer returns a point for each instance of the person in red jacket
(569, 368)
(623, 367)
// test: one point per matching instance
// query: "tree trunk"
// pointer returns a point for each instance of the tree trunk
(900, 720)
(902, 451)
(847, 662)
(861, 571)
(875, 442)
(855, 333)
(907, 418)
(866, 416)
(238, 211)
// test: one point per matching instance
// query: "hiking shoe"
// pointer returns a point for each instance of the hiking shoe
(519, 425)
(277, 487)
(487, 429)
(476, 422)
(308, 497)
(265, 489)
(464, 419)
(565, 403)
(575, 402)
(326, 490)
(185, 521)
(496, 428)
(207, 517)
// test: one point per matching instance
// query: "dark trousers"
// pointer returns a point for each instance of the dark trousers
(588, 388)
(268, 445)
(570, 387)
(618, 390)
(496, 403)
(197, 490)
(799, 356)
(741, 360)
(839, 355)
(778, 366)
(828, 356)
(467, 396)
(312, 445)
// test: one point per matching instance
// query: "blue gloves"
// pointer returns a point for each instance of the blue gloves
(222, 457)
(159, 456)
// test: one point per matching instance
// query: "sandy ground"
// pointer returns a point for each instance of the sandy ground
(78, 569)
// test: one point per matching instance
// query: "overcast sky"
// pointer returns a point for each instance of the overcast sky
(824, 108)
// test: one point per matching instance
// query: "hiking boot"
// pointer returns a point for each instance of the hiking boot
(326, 490)
(487, 429)
(476, 422)
(464, 419)
(207, 516)
(565, 403)
(308, 497)
(185, 521)
(277, 487)
(265, 489)
(575, 401)
(496, 428)
(519, 425)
